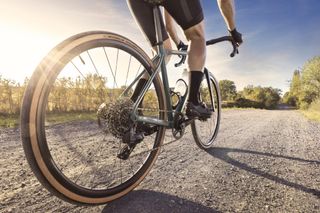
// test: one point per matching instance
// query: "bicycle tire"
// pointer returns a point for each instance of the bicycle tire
(33, 133)
(205, 140)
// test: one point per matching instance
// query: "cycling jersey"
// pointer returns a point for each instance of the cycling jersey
(187, 13)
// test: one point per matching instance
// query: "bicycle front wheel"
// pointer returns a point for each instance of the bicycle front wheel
(205, 131)
(71, 153)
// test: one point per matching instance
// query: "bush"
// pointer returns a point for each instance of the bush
(228, 104)
(315, 106)
(246, 103)
(313, 112)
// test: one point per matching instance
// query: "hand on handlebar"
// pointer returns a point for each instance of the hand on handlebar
(237, 37)
(235, 40)
(181, 47)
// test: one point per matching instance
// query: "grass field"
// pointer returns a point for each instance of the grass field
(52, 118)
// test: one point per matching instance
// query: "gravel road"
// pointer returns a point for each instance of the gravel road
(262, 161)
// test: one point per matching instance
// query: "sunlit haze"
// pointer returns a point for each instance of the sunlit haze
(279, 37)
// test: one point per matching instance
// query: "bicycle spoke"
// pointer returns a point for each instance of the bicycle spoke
(145, 144)
(95, 68)
(78, 69)
(113, 75)
(120, 162)
(98, 169)
(85, 78)
(128, 70)
(138, 71)
(116, 69)
(87, 164)
(131, 166)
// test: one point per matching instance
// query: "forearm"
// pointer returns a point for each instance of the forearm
(171, 28)
(228, 12)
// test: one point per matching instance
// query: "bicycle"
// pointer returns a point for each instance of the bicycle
(94, 160)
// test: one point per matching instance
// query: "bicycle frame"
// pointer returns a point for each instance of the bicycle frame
(161, 66)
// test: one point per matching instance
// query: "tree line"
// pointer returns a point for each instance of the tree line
(66, 95)
(250, 97)
(11, 94)
(305, 86)
(86, 94)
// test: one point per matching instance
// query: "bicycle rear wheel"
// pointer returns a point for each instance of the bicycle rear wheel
(205, 131)
(69, 152)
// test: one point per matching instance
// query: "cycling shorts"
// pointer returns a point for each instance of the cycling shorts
(187, 13)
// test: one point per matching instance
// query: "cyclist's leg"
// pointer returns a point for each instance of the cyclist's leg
(190, 18)
(197, 49)
(143, 14)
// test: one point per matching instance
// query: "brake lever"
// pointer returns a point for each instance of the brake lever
(235, 49)
(182, 61)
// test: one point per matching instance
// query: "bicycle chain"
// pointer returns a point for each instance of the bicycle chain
(153, 110)
(154, 149)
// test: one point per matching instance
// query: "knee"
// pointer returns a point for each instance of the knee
(196, 33)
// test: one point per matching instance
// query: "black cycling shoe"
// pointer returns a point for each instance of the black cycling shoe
(200, 111)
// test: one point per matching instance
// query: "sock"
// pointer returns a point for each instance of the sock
(195, 79)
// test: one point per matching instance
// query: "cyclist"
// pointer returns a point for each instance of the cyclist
(189, 15)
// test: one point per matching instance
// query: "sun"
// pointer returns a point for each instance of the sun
(21, 49)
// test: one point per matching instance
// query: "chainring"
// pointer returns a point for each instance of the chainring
(179, 127)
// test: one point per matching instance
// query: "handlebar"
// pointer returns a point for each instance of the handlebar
(215, 41)
(225, 38)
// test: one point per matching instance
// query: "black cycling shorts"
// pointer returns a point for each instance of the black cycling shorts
(187, 13)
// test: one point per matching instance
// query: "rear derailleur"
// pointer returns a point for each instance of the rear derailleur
(133, 137)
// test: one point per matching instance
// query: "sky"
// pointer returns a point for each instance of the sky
(279, 35)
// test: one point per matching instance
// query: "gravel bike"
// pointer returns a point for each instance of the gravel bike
(86, 141)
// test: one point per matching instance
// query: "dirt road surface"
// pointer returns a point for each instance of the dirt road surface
(262, 161)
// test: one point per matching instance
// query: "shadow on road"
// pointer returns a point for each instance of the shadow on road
(144, 201)
(223, 154)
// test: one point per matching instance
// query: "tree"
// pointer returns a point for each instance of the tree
(228, 90)
(289, 99)
(6, 96)
(295, 88)
(310, 81)
(259, 97)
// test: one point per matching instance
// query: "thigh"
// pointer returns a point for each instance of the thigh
(143, 13)
(187, 13)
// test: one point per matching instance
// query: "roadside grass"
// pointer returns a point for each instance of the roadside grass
(312, 115)
(56, 118)
(313, 112)
(10, 121)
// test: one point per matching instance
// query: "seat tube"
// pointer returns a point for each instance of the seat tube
(161, 51)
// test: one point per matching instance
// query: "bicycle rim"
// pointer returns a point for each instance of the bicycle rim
(206, 131)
